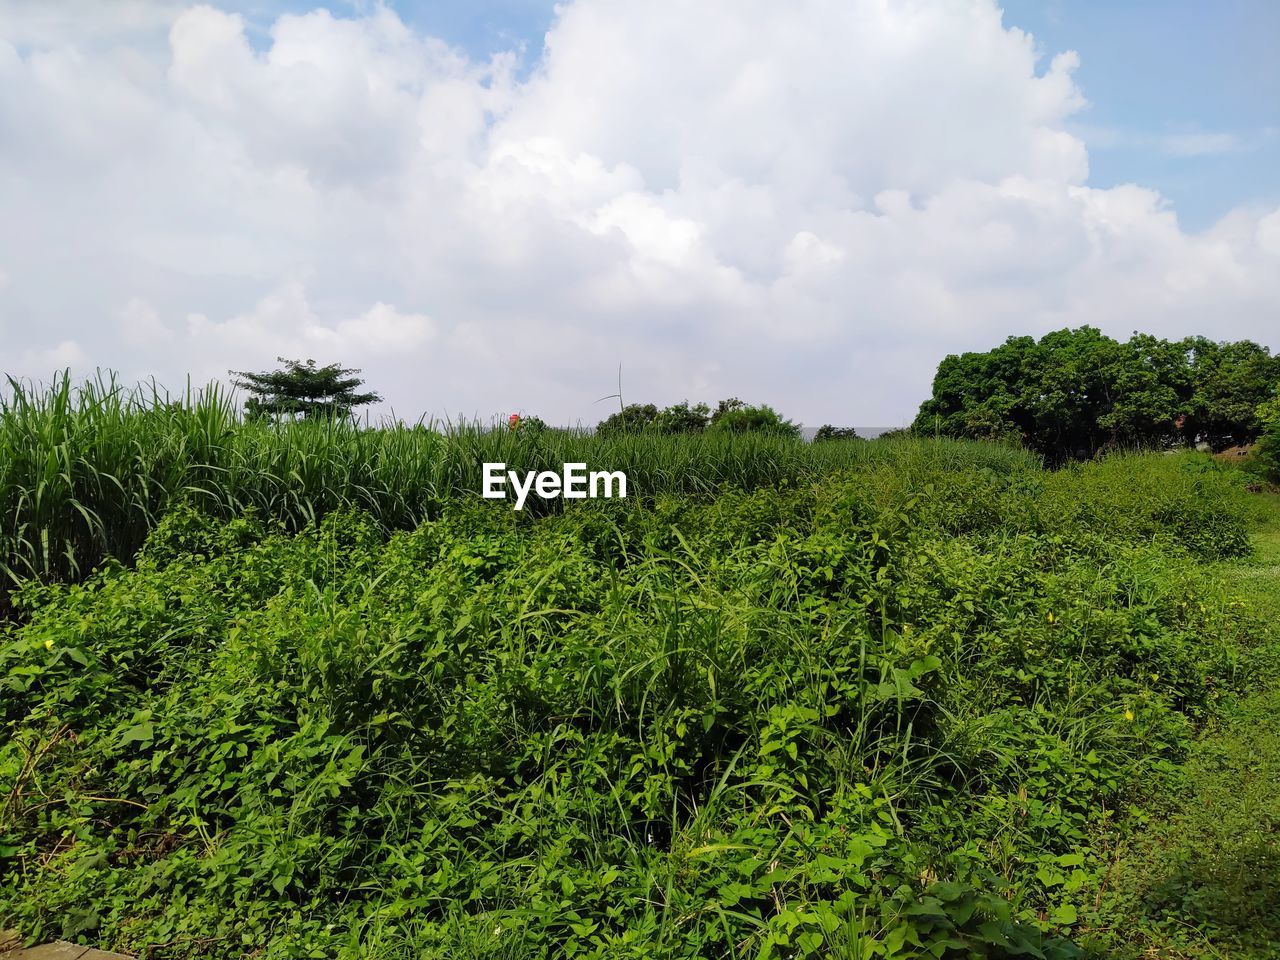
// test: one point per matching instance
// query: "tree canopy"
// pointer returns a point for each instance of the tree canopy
(632, 418)
(1075, 392)
(1269, 444)
(302, 390)
(829, 432)
(738, 417)
(731, 415)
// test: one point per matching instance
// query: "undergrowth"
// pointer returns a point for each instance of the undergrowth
(885, 715)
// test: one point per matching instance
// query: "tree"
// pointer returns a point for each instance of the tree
(647, 418)
(735, 416)
(633, 418)
(1150, 391)
(1230, 381)
(302, 390)
(682, 418)
(828, 432)
(1076, 392)
(979, 395)
(1268, 455)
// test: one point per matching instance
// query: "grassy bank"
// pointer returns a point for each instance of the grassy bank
(1194, 874)
(892, 713)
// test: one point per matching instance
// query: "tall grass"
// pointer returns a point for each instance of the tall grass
(88, 469)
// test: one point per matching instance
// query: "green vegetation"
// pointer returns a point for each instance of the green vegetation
(302, 390)
(647, 418)
(856, 699)
(828, 432)
(1202, 875)
(87, 471)
(730, 416)
(1075, 392)
(1268, 453)
(735, 416)
(1198, 875)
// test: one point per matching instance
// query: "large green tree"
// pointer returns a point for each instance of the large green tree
(1075, 392)
(1269, 442)
(302, 390)
(1229, 382)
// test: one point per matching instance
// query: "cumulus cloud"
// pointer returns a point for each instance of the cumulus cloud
(807, 204)
(64, 355)
(140, 325)
(283, 323)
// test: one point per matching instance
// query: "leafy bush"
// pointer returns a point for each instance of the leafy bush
(682, 418)
(735, 416)
(828, 432)
(1202, 878)
(531, 424)
(897, 433)
(633, 418)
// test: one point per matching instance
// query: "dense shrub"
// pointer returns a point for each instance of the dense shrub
(633, 418)
(735, 416)
(828, 432)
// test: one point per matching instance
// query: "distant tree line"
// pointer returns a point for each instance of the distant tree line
(729, 416)
(828, 432)
(303, 390)
(1076, 392)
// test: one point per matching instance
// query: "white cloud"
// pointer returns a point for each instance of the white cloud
(140, 324)
(1269, 233)
(384, 329)
(807, 204)
(66, 354)
(283, 323)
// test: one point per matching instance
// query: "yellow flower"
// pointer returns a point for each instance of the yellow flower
(1051, 616)
(48, 644)
(1128, 714)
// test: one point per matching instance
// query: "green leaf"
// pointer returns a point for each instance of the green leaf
(1065, 914)
(143, 732)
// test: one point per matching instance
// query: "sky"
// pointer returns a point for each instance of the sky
(495, 206)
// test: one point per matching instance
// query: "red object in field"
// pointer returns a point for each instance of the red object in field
(513, 421)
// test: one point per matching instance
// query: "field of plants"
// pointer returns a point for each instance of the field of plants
(86, 471)
(297, 691)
